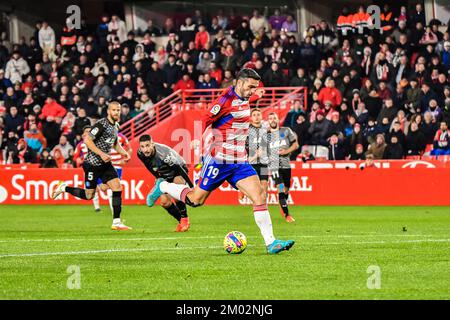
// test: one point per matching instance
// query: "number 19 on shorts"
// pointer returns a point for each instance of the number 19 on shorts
(212, 172)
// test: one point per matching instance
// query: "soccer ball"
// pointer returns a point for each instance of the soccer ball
(235, 242)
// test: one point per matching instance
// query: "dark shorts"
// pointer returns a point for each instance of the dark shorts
(175, 174)
(262, 171)
(282, 176)
(92, 174)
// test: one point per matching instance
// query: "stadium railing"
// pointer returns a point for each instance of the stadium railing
(273, 100)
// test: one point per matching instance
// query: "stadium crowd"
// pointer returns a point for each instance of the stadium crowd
(383, 92)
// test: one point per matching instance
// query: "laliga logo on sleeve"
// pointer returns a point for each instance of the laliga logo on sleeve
(3, 194)
(215, 109)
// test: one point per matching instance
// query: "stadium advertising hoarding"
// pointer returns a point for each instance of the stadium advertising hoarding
(409, 182)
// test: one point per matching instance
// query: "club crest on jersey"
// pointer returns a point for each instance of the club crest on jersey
(215, 109)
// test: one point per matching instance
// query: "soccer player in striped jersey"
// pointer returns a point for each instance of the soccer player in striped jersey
(226, 157)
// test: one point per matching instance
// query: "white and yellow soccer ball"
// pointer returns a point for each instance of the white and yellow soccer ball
(235, 242)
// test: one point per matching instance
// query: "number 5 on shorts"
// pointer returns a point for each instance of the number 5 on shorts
(90, 176)
(212, 172)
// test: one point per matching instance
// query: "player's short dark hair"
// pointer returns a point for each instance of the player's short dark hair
(247, 73)
(255, 109)
(145, 137)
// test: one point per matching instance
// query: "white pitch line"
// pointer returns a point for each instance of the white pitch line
(100, 251)
(190, 248)
(208, 237)
(383, 242)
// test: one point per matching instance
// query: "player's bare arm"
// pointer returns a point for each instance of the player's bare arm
(91, 146)
(118, 147)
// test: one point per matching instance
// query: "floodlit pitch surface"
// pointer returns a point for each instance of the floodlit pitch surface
(68, 252)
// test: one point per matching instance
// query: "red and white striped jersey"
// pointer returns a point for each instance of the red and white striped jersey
(81, 150)
(229, 118)
(116, 157)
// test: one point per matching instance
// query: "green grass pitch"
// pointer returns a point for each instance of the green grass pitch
(336, 252)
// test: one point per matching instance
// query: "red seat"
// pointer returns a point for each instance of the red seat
(412, 157)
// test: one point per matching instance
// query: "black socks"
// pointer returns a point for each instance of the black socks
(182, 207)
(117, 203)
(282, 197)
(77, 192)
(174, 212)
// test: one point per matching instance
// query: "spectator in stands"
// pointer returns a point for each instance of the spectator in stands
(47, 38)
(358, 153)
(185, 83)
(336, 149)
(35, 139)
(325, 39)
(429, 127)
(257, 22)
(435, 110)
(117, 28)
(16, 68)
(330, 93)
(276, 20)
(417, 16)
(152, 29)
(46, 160)
(172, 71)
(201, 37)
(393, 150)
(14, 122)
(187, 32)
(445, 54)
(64, 147)
(207, 82)
(274, 77)
(243, 32)
(22, 154)
(319, 129)
(441, 145)
(52, 108)
(228, 79)
(101, 89)
(415, 141)
(376, 149)
(290, 25)
(301, 128)
(204, 62)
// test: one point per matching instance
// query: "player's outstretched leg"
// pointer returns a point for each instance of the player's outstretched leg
(76, 192)
(192, 197)
(251, 187)
(155, 193)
